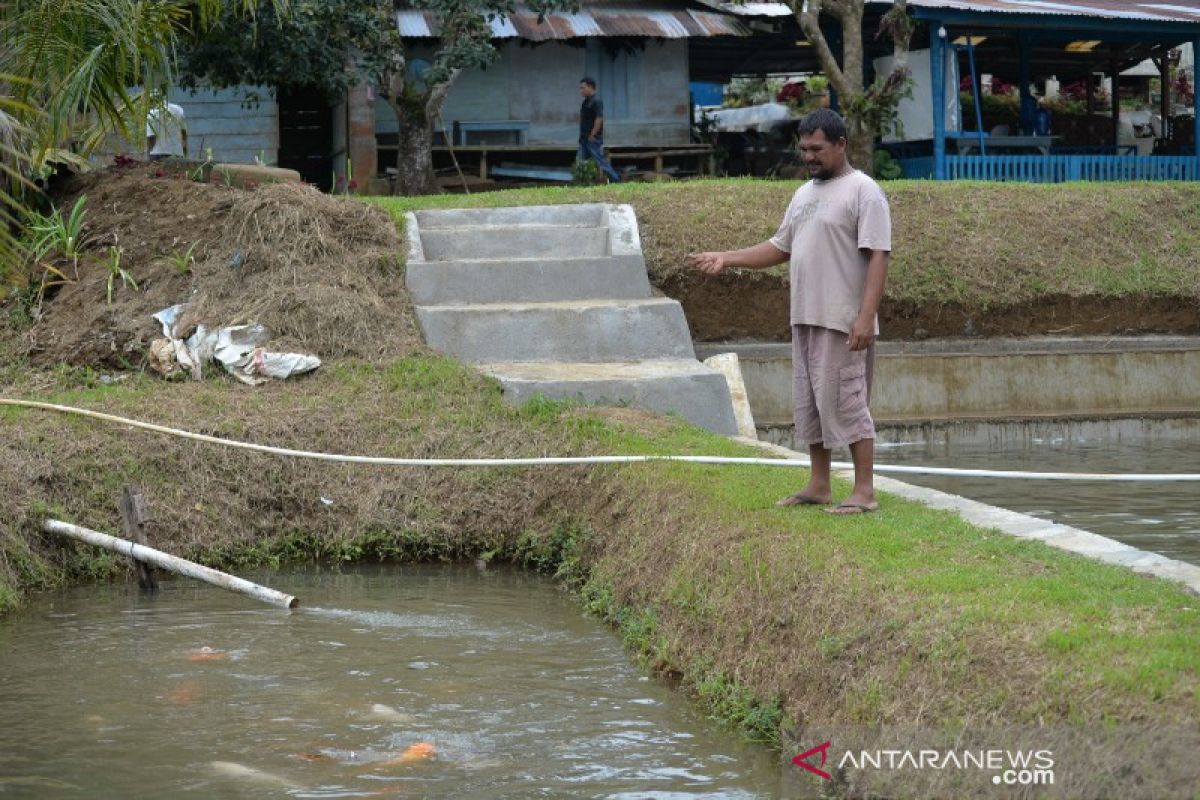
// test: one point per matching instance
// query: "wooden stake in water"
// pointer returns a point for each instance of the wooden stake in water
(173, 563)
(133, 523)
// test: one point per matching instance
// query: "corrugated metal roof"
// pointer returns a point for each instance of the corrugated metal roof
(1179, 11)
(638, 22)
(750, 9)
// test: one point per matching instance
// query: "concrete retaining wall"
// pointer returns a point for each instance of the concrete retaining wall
(917, 382)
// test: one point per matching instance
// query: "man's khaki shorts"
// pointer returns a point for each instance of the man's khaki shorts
(831, 388)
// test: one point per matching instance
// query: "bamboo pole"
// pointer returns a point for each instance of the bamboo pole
(172, 563)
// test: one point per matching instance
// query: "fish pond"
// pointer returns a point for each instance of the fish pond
(388, 681)
(1158, 517)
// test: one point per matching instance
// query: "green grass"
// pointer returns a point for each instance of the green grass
(1103, 625)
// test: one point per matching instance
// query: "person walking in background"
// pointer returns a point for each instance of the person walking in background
(591, 129)
(166, 130)
(837, 238)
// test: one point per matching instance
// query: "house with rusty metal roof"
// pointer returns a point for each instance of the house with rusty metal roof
(641, 53)
(644, 52)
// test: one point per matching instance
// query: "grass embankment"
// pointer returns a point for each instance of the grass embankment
(909, 615)
(905, 616)
(1008, 258)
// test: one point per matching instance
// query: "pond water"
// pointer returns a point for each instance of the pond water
(1159, 517)
(389, 681)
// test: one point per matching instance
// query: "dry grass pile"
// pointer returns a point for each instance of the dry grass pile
(321, 273)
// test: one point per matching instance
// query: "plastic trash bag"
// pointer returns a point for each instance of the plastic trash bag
(238, 348)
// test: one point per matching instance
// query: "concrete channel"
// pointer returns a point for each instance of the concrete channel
(997, 379)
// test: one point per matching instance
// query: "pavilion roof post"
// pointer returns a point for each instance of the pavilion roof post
(1024, 78)
(937, 62)
(1164, 99)
(977, 91)
(1114, 71)
(1195, 103)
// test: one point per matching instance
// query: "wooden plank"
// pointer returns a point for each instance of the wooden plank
(133, 523)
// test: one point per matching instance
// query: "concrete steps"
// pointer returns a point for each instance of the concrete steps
(678, 386)
(579, 330)
(555, 300)
(531, 280)
(513, 241)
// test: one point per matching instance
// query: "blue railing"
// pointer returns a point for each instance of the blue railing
(1056, 169)
(919, 167)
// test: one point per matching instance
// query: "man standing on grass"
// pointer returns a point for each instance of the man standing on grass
(837, 235)
(591, 128)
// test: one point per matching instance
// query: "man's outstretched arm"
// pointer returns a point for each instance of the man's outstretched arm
(760, 256)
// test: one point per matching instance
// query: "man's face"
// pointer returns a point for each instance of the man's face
(585, 90)
(824, 159)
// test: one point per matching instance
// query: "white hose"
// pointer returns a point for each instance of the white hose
(573, 460)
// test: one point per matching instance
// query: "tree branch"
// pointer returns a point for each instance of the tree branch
(437, 95)
(809, 18)
(897, 24)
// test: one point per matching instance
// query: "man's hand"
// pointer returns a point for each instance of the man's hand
(708, 263)
(861, 333)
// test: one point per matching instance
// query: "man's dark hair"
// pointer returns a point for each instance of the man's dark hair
(828, 122)
(589, 80)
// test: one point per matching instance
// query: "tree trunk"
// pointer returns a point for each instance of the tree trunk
(414, 152)
(847, 77)
(414, 155)
(861, 149)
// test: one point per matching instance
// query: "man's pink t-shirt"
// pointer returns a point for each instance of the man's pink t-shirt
(829, 229)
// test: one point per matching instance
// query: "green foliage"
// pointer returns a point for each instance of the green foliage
(183, 260)
(328, 45)
(878, 108)
(66, 67)
(886, 166)
(557, 552)
(585, 172)
(115, 273)
(737, 705)
(49, 238)
(996, 109)
(744, 92)
(200, 172)
(56, 235)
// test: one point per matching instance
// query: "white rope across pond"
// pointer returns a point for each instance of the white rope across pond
(577, 460)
